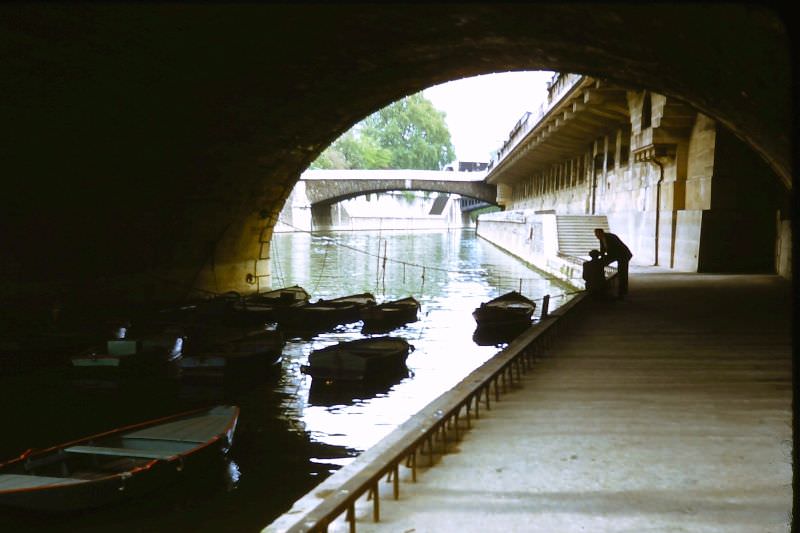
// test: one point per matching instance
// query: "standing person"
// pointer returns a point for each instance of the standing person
(594, 275)
(613, 249)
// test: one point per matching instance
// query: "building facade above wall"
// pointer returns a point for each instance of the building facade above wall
(652, 166)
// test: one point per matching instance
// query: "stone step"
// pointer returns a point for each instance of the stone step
(576, 233)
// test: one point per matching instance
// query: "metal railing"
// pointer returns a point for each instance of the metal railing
(420, 435)
(559, 86)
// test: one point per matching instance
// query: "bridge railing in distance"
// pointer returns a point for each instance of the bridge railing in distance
(392, 174)
(419, 435)
(560, 84)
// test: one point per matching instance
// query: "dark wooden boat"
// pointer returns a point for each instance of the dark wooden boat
(391, 314)
(249, 356)
(233, 309)
(506, 310)
(266, 306)
(123, 463)
(359, 361)
(360, 299)
(130, 354)
(324, 314)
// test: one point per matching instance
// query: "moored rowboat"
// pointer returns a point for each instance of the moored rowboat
(118, 464)
(360, 360)
(250, 356)
(392, 313)
(267, 305)
(324, 314)
(509, 309)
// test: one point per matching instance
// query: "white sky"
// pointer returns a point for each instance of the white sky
(482, 110)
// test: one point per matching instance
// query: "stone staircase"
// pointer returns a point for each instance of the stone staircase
(439, 204)
(576, 234)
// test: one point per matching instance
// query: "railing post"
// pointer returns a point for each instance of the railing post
(396, 486)
(351, 516)
(426, 433)
(376, 503)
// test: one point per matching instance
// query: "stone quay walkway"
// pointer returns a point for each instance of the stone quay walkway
(668, 411)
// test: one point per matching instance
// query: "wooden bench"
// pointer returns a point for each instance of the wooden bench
(25, 481)
(122, 452)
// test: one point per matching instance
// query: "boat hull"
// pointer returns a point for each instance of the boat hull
(324, 315)
(509, 310)
(115, 489)
(245, 358)
(267, 307)
(390, 315)
(364, 360)
(88, 473)
(317, 317)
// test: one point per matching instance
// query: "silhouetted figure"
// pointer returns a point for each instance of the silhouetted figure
(613, 249)
(594, 275)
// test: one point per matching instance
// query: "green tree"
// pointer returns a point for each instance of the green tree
(409, 133)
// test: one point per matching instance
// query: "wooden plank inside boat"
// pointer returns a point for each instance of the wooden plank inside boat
(198, 429)
(22, 481)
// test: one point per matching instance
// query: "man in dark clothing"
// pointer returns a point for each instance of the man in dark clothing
(613, 249)
(594, 275)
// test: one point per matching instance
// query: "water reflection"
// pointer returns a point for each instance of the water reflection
(497, 335)
(232, 475)
(450, 273)
(291, 434)
(332, 394)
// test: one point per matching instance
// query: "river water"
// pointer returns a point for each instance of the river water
(290, 435)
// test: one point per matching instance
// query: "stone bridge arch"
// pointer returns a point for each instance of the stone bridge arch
(150, 147)
(326, 187)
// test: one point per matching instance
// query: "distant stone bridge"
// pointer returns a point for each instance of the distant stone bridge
(325, 187)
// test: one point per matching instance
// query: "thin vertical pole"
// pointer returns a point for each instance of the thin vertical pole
(545, 305)
(351, 517)
(376, 504)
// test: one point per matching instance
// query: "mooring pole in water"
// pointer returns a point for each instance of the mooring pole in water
(378, 267)
(520, 285)
(545, 306)
(383, 271)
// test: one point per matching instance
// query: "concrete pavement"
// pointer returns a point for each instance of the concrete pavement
(669, 411)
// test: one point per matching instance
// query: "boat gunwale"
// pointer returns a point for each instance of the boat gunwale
(59, 448)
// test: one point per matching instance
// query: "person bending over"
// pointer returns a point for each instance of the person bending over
(613, 249)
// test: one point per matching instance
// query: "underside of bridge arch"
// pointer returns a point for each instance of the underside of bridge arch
(321, 210)
(329, 201)
(149, 148)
